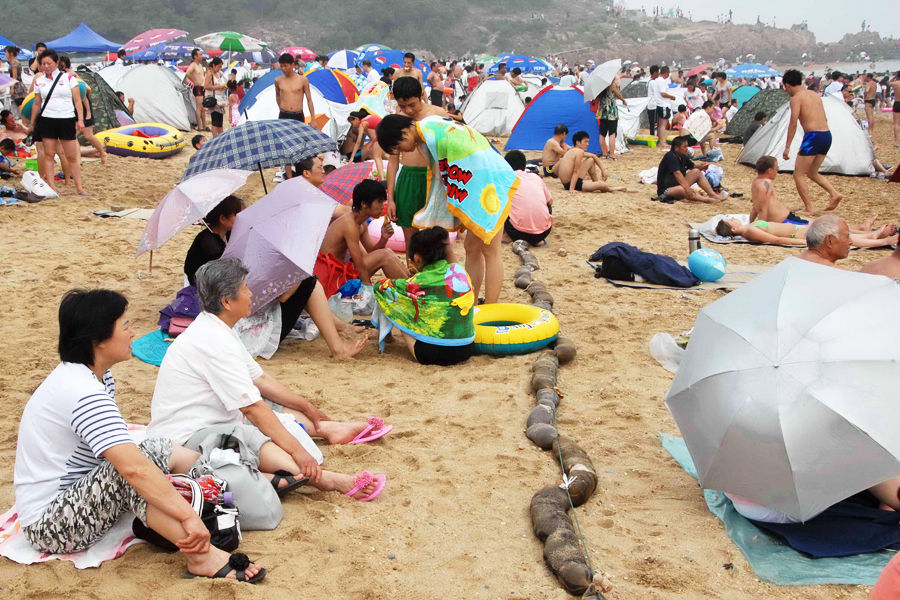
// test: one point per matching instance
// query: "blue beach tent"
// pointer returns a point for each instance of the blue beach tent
(553, 106)
(83, 39)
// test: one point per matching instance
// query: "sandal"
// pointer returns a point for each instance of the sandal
(293, 483)
(363, 479)
(237, 562)
(373, 431)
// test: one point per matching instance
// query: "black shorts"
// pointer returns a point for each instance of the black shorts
(578, 184)
(608, 127)
(430, 354)
(662, 112)
(216, 118)
(897, 106)
(724, 104)
(293, 306)
(198, 90)
(56, 129)
(89, 122)
(872, 101)
(532, 238)
(437, 97)
(294, 116)
(550, 172)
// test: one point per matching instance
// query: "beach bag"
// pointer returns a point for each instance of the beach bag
(185, 307)
(177, 325)
(207, 496)
(33, 183)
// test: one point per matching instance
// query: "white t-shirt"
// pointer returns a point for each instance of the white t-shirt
(67, 424)
(373, 75)
(567, 80)
(60, 105)
(654, 87)
(729, 114)
(695, 99)
(205, 379)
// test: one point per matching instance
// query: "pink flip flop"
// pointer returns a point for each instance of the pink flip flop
(373, 431)
(363, 479)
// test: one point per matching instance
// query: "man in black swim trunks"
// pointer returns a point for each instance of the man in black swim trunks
(871, 88)
(577, 164)
(195, 76)
(290, 90)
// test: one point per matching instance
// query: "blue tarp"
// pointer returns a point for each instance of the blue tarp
(83, 39)
(751, 70)
(550, 107)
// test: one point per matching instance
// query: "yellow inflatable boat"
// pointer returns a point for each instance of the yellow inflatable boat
(149, 140)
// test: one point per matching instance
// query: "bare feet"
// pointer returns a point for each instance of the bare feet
(343, 326)
(886, 231)
(338, 432)
(207, 565)
(340, 482)
(834, 202)
(870, 223)
(348, 349)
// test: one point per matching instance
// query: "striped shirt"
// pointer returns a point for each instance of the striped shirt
(68, 423)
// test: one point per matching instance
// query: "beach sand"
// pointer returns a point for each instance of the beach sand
(453, 521)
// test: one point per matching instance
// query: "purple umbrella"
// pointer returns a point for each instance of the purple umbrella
(278, 238)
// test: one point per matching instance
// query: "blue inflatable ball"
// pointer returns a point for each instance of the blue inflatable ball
(707, 264)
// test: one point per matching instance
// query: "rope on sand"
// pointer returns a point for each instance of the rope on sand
(565, 551)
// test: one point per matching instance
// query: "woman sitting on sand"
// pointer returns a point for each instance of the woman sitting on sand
(308, 294)
(433, 308)
(795, 235)
(77, 469)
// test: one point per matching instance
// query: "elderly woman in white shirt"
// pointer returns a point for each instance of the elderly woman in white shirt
(208, 384)
(77, 468)
(56, 117)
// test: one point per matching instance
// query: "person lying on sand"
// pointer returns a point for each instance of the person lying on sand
(208, 382)
(577, 164)
(795, 235)
(766, 205)
(12, 128)
(307, 295)
(77, 469)
(349, 236)
(677, 173)
(433, 308)
(554, 150)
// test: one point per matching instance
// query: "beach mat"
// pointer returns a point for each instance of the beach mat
(151, 348)
(771, 560)
(142, 214)
(735, 276)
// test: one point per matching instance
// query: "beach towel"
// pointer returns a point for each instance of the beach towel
(15, 547)
(708, 230)
(735, 276)
(472, 183)
(151, 348)
(772, 560)
(433, 306)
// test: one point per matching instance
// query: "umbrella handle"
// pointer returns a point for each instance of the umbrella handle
(261, 176)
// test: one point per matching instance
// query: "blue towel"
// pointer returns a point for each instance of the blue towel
(151, 348)
(772, 560)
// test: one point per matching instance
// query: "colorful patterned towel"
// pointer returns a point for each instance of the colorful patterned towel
(14, 545)
(472, 182)
(433, 306)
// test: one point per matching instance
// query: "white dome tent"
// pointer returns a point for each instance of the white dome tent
(159, 96)
(493, 108)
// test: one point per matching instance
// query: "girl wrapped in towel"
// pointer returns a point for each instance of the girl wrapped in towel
(433, 309)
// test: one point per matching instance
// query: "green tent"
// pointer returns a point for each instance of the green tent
(105, 102)
(767, 101)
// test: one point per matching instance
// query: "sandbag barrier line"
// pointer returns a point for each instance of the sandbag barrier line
(565, 552)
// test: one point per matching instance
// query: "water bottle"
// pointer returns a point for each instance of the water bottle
(693, 241)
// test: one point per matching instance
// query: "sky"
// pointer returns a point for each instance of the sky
(829, 20)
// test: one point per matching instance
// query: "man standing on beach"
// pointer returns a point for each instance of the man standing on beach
(870, 101)
(290, 90)
(436, 80)
(195, 76)
(807, 108)
(663, 101)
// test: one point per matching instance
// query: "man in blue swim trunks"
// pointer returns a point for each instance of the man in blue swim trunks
(807, 108)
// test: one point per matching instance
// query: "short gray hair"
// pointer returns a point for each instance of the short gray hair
(218, 280)
(821, 228)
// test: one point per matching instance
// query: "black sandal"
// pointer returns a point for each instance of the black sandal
(237, 562)
(292, 485)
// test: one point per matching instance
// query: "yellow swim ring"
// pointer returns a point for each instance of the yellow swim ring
(513, 328)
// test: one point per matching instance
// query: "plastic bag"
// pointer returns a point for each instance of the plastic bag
(33, 183)
(260, 332)
(353, 298)
(666, 352)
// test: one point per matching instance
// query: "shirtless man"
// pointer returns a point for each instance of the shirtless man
(195, 76)
(409, 69)
(827, 239)
(501, 72)
(766, 205)
(577, 163)
(406, 193)
(350, 235)
(290, 90)
(870, 101)
(806, 107)
(889, 265)
(436, 81)
(12, 128)
(554, 150)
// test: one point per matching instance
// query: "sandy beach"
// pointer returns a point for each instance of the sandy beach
(453, 521)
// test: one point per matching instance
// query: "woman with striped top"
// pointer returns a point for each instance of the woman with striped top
(77, 469)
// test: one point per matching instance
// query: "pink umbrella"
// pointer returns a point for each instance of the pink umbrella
(697, 69)
(339, 183)
(279, 236)
(152, 37)
(301, 52)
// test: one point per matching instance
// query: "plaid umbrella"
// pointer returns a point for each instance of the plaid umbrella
(339, 183)
(260, 144)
